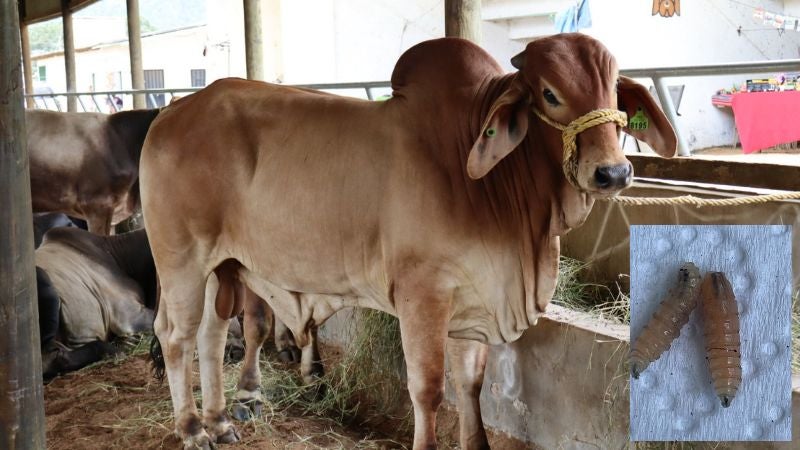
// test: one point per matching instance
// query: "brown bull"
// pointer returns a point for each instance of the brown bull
(443, 206)
(86, 164)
